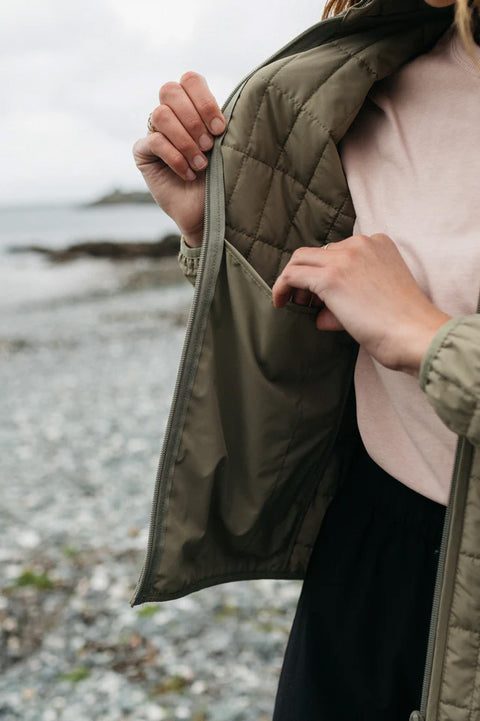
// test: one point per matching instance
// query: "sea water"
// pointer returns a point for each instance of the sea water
(27, 278)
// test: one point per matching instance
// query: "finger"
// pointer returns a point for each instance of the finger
(175, 96)
(171, 128)
(291, 279)
(161, 147)
(313, 256)
(142, 151)
(327, 321)
(197, 89)
(301, 297)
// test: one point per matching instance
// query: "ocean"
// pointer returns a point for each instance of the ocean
(27, 278)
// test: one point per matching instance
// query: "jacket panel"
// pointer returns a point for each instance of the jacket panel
(286, 188)
(450, 376)
(249, 483)
(453, 691)
(255, 441)
(252, 453)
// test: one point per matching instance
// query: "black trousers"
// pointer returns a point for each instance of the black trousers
(357, 647)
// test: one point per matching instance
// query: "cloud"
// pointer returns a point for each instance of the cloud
(81, 78)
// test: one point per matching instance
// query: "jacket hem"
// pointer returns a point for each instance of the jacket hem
(216, 580)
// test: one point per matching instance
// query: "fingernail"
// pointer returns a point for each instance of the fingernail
(190, 175)
(217, 125)
(205, 142)
(199, 162)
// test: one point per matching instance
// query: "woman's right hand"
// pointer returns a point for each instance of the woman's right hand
(172, 160)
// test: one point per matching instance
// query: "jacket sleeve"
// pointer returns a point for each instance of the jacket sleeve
(188, 258)
(450, 375)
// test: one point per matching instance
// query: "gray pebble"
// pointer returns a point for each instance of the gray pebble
(80, 460)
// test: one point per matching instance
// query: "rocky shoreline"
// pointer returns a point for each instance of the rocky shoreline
(86, 385)
(165, 247)
(121, 197)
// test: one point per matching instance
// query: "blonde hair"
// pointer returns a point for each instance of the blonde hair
(466, 19)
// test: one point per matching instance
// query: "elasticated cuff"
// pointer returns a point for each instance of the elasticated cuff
(188, 259)
(187, 250)
(433, 350)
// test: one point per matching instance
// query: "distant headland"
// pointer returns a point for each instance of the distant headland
(117, 197)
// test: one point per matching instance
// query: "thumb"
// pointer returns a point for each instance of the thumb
(327, 321)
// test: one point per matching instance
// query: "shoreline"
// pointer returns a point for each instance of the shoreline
(87, 387)
(91, 269)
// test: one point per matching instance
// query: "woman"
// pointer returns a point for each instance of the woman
(358, 644)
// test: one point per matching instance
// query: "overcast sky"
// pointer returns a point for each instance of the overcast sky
(79, 79)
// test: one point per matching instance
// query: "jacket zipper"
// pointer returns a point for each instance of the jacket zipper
(461, 473)
(209, 262)
(197, 317)
(437, 594)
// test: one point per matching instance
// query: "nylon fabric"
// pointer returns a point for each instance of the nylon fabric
(240, 499)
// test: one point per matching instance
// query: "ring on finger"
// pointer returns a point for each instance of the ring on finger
(151, 127)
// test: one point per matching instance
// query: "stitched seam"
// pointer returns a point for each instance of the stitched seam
(473, 418)
(250, 235)
(435, 357)
(351, 56)
(299, 108)
(470, 631)
(475, 685)
(249, 275)
(265, 201)
(455, 705)
(354, 56)
(257, 113)
(469, 708)
(472, 556)
(336, 217)
(281, 151)
(273, 277)
(279, 155)
(455, 383)
(302, 108)
(300, 202)
(292, 177)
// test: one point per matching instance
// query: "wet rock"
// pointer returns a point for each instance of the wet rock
(114, 250)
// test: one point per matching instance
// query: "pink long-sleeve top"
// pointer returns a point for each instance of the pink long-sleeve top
(412, 163)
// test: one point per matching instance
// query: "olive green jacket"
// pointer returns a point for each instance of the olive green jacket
(262, 425)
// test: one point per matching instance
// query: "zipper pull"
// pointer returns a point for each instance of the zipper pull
(416, 716)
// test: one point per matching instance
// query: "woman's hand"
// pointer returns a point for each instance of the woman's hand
(368, 290)
(172, 160)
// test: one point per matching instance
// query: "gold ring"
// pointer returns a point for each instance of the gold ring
(150, 125)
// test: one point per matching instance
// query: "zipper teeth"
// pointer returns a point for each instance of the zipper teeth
(160, 498)
(438, 583)
(427, 678)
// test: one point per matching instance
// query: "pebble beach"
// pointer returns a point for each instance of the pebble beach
(86, 378)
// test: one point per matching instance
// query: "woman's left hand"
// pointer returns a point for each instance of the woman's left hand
(368, 290)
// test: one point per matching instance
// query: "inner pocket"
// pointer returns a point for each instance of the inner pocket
(279, 383)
